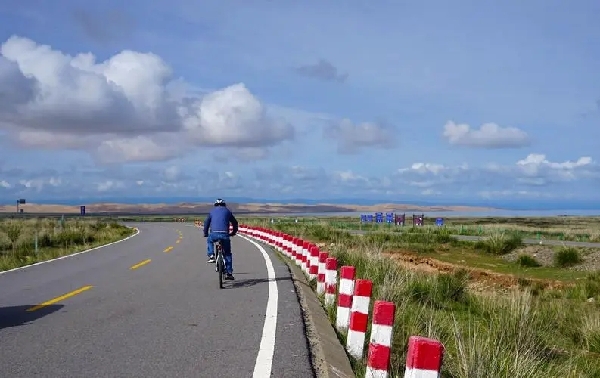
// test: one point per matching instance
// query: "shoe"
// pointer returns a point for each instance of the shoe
(229, 277)
(211, 259)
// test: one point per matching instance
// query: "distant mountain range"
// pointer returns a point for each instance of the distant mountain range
(508, 204)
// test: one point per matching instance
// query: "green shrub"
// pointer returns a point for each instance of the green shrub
(567, 257)
(500, 244)
(528, 261)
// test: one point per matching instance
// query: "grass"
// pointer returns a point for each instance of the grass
(19, 237)
(433, 243)
(583, 229)
(530, 332)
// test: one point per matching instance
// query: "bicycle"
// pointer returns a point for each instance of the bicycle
(219, 262)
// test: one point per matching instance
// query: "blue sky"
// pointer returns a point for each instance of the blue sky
(432, 100)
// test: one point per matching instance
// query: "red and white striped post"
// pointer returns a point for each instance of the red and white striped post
(380, 344)
(359, 318)
(306, 247)
(305, 260)
(424, 358)
(280, 243)
(288, 246)
(277, 242)
(297, 254)
(313, 270)
(347, 275)
(321, 274)
(330, 281)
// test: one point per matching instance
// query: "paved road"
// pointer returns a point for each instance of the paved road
(166, 317)
(525, 241)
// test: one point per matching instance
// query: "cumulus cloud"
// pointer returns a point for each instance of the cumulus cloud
(352, 138)
(489, 135)
(322, 70)
(124, 108)
(233, 117)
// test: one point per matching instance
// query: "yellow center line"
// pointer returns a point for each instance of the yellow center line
(142, 263)
(178, 240)
(168, 249)
(58, 299)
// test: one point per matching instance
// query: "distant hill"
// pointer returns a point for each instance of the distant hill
(251, 208)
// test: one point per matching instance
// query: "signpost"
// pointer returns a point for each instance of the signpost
(400, 219)
(82, 210)
(389, 217)
(20, 201)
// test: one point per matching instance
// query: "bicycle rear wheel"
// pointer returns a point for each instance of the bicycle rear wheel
(220, 269)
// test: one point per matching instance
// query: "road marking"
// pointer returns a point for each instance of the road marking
(74, 254)
(168, 249)
(141, 263)
(264, 360)
(178, 240)
(58, 299)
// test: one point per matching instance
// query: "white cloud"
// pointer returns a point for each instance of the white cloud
(534, 176)
(534, 170)
(127, 108)
(489, 135)
(138, 148)
(351, 137)
(233, 117)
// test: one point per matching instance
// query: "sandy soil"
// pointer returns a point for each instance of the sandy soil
(246, 207)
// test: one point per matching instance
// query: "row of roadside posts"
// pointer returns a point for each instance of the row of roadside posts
(397, 219)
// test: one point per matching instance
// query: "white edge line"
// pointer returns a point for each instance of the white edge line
(73, 254)
(264, 359)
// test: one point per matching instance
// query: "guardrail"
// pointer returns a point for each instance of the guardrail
(425, 355)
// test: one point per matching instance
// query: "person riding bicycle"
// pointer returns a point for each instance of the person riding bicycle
(218, 221)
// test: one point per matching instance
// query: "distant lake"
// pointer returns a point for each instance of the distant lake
(446, 214)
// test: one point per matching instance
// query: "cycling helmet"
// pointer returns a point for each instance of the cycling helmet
(219, 202)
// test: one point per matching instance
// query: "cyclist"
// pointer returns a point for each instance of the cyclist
(218, 221)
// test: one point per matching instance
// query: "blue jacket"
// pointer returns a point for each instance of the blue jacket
(218, 221)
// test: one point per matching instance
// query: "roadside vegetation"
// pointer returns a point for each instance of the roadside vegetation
(581, 229)
(532, 328)
(27, 241)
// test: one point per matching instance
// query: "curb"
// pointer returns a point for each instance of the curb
(137, 232)
(329, 358)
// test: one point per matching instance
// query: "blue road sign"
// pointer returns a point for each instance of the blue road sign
(389, 217)
(82, 210)
(439, 222)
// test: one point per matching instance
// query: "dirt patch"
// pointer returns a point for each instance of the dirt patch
(480, 279)
(542, 254)
(591, 261)
(545, 256)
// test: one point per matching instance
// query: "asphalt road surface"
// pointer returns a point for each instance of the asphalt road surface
(141, 309)
(525, 241)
